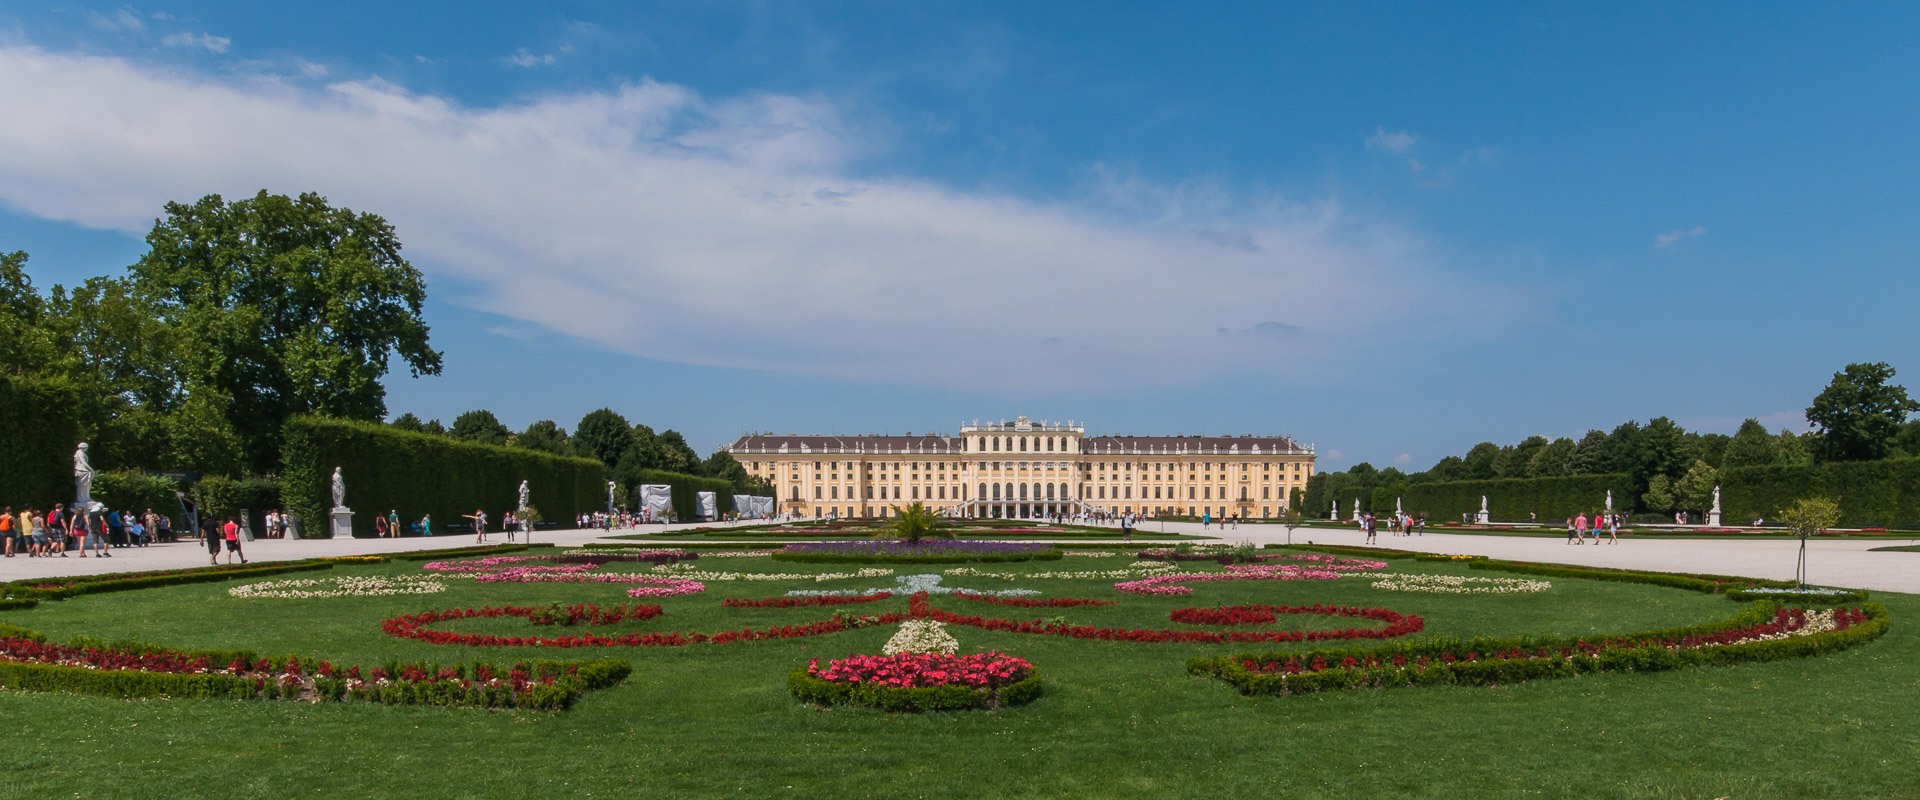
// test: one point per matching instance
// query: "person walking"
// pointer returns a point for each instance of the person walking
(393, 522)
(1613, 530)
(6, 530)
(479, 518)
(426, 525)
(232, 531)
(1580, 528)
(1570, 529)
(379, 526)
(1126, 527)
(210, 533)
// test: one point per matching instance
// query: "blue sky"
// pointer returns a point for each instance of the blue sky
(1391, 230)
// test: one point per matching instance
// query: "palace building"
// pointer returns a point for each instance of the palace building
(1025, 469)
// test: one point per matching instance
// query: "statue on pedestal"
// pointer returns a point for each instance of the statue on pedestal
(523, 494)
(82, 478)
(339, 489)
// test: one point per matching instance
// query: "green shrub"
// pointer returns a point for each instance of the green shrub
(1508, 499)
(116, 683)
(62, 588)
(1884, 494)
(128, 490)
(416, 474)
(462, 552)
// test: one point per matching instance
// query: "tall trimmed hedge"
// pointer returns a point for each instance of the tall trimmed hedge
(1882, 494)
(415, 474)
(1509, 499)
(684, 487)
(40, 422)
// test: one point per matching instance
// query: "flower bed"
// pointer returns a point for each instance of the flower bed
(28, 663)
(591, 614)
(365, 586)
(915, 682)
(932, 551)
(805, 600)
(687, 571)
(922, 636)
(1458, 584)
(1764, 632)
(1167, 585)
(653, 586)
(1021, 602)
(1136, 569)
(1398, 624)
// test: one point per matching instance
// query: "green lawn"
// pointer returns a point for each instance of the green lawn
(1117, 719)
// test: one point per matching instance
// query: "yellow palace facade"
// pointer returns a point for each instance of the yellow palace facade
(1026, 469)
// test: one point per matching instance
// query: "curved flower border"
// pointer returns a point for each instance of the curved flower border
(345, 586)
(1458, 584)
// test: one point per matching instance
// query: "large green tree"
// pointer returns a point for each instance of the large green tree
(285, 306)
(1752, 446)
(604, 435)
(546, 437)
(480, 426)
(1859, 413)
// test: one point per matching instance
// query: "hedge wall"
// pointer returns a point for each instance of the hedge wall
(684, 487)
(1884, 494)
(129, 490)
(1509, 499)
(40, 423)
(416, 474)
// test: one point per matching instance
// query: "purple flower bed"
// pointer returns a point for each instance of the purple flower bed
(937, 550)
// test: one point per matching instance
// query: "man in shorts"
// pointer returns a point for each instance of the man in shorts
(232, 531)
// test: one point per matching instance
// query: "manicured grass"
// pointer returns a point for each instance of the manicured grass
(1905, 548)
(1117, 719)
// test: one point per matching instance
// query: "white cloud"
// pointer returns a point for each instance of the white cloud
(1664, 239)
(1395, 142)
(1403, 458)
(213, 44)
(1336, 455)
(122, 19)
(738, 232)
(525, 58)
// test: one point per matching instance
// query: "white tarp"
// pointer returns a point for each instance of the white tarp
(709, 504)
(657, 498)
(763, 507)
(743, 505)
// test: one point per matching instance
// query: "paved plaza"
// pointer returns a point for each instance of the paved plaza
(1830, 562)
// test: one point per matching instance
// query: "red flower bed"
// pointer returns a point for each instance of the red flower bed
(792, 602)
(1398, 624)
(590, 614)
(1234, 615)
(918, 670)
(1021, 602)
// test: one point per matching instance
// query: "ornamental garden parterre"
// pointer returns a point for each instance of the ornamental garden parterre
(934, 596)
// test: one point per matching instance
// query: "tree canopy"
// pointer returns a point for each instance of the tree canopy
(1860, 413)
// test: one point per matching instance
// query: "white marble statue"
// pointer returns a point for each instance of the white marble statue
(1609, 501)
(1483, 505)
(610, 485)
(1716, 499)
(523, 494)
(1396, 507)
(339, 489)
(82, 478)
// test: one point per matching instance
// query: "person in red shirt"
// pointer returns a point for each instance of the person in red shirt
(233, 541)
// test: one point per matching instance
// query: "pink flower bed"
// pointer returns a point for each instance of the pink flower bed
(668, 586)
(917, 670)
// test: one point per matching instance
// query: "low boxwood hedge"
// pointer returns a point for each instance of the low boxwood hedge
(462, 552)
(932, 698)
(1385, 553)
(1820, 599)
(62, 588)
(1346, 668)
(119, 683)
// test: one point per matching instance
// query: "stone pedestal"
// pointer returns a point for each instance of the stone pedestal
(1713, 519)
(340, 522)
(1482, 517)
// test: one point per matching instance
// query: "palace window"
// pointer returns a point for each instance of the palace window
(816, 492)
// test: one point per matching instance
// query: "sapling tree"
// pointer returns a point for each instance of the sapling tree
(1806, 517)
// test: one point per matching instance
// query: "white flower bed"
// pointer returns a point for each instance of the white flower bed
(1458, 584)
(921, 636)
(1807, 591)
(1137, 569)
(910, 585)
(685, 570)
(738, 553)
(366, 586)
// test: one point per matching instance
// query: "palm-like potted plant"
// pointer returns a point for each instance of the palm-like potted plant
(912, 524)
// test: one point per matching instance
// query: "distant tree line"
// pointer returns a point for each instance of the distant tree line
(626, 448)
(1860, 416)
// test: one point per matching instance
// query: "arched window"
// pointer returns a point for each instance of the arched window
(1023, 491)
(1063, 491)
(996, 444)
(1049, 444)
(1049, 491)
(1023, 444)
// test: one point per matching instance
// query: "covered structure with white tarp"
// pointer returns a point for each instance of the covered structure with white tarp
(657, 498)
(708, 503)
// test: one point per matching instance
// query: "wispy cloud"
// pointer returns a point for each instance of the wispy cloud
(122, 19)
(1403, 458)
(212, 43)
(1395, 142)
(742, 231)
(1664, 240)
(526, 58)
